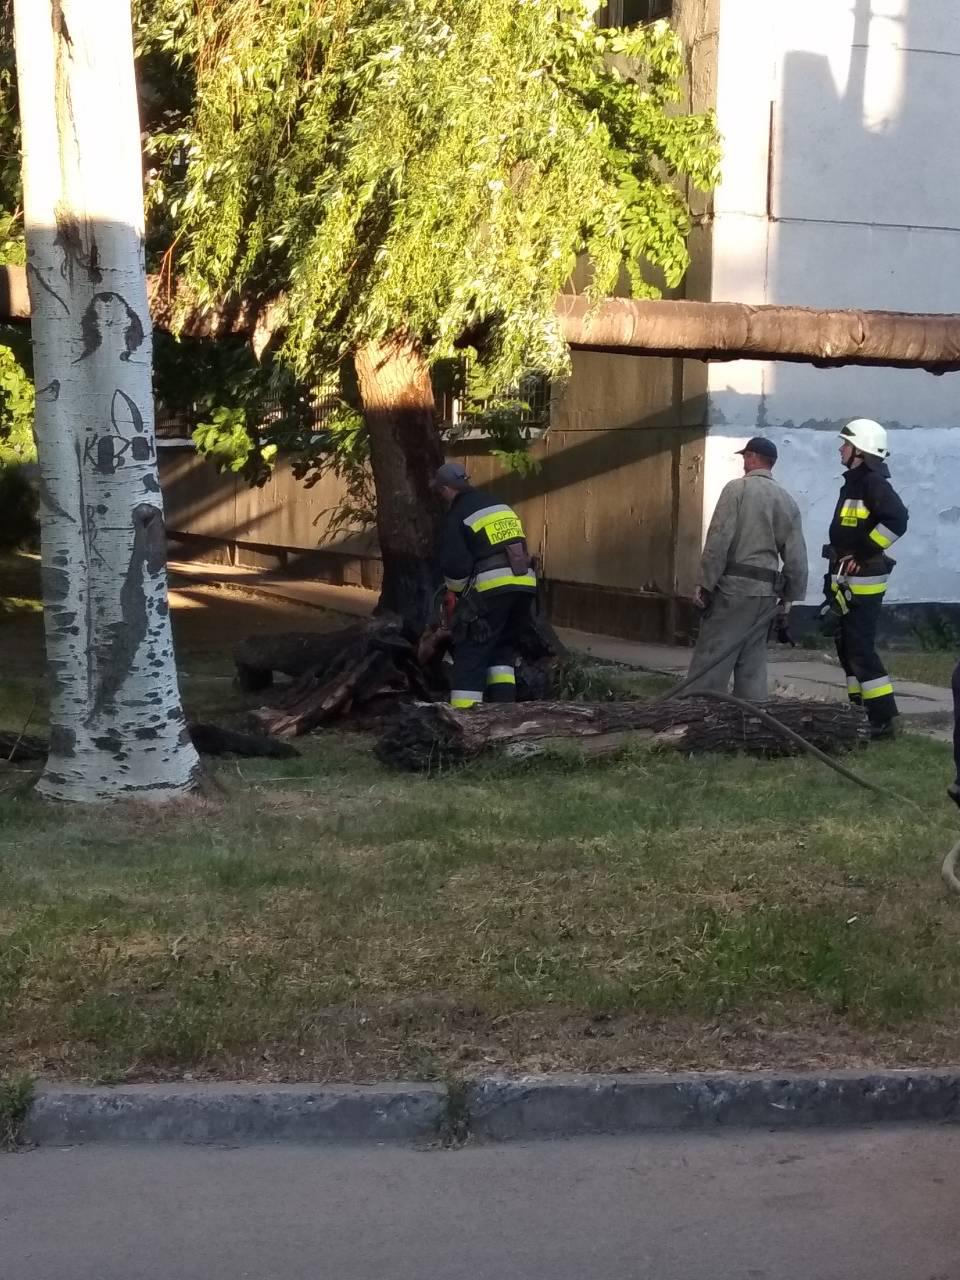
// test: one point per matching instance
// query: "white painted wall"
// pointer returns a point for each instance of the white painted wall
(853, 103)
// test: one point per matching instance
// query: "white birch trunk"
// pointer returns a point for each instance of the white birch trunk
(117, 725)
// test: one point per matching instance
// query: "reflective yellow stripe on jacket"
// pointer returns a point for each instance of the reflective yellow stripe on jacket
(868, 586)
(500, 523)
(883, 536)
(852, 510)
(490, 579)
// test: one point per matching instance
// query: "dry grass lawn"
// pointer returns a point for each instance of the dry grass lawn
(328, 919)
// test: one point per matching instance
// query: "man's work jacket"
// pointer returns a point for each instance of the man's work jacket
(755, 527)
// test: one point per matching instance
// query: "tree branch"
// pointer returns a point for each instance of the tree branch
(626, 326)
(737, 331)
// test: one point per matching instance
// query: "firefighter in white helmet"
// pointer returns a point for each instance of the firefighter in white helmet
(868, 520)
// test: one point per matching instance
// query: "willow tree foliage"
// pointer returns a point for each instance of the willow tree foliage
(17, 502)
(394, 179)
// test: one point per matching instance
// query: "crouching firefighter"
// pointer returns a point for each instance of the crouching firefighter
(486, 564)
(868, 520)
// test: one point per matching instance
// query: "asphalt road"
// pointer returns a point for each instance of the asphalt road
(833, 1205)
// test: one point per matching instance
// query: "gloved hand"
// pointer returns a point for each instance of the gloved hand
(779, 628)
(449, 607)
(829, 620)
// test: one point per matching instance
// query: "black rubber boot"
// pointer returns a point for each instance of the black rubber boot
(885, 732)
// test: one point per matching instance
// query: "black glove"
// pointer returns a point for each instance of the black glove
(829, 620)
(781, 631)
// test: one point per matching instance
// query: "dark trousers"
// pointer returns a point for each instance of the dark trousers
(867, 681)
(955, 682)
(485, 655)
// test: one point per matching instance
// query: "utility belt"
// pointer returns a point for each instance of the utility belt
(468, 616)
(514, 557)
(842, 590)
(755, 574)
(873, 564)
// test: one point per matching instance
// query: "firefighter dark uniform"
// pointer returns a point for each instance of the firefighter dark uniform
(868, 520)
(485, 562)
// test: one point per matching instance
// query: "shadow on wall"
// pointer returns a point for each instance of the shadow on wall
(863, 211)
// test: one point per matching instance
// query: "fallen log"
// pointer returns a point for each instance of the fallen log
(318, 702)
(321, 653)
(209, 739)
(214, 740)
(433, 737)
(371, 661)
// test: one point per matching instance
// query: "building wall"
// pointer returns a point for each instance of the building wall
(841, 188)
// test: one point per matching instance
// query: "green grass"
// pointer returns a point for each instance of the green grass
(16, 1094)
(933, 666)
(331, 919)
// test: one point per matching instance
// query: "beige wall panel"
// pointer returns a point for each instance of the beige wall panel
(609, 507)
(196, 498)
(609, 392)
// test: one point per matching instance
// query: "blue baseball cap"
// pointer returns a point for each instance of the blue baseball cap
(452, 475)
(761, 446)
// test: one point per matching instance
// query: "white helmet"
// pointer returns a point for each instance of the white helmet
(867, 436)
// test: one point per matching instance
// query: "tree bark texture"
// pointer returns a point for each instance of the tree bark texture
(117, 726)
(405, 451)
(624, 326)
(432, 737)
(737, 331)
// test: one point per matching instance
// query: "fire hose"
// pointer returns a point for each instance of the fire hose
(683, 689)
(948, 870)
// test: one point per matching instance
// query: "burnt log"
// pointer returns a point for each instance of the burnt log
(209, 740)
(381, 661)
(21, 748)
(291, 653)
(434, 737)
(214, 740)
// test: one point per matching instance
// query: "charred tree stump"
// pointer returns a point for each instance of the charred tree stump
(434, 737)
(365, 666)
(291, 653)
(381, 661)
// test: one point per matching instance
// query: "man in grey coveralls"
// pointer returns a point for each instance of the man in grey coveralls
(754, 529)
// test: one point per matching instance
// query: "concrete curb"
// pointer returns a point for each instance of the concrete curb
(538, 1107)
(60, 1116)
(491, 1109)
